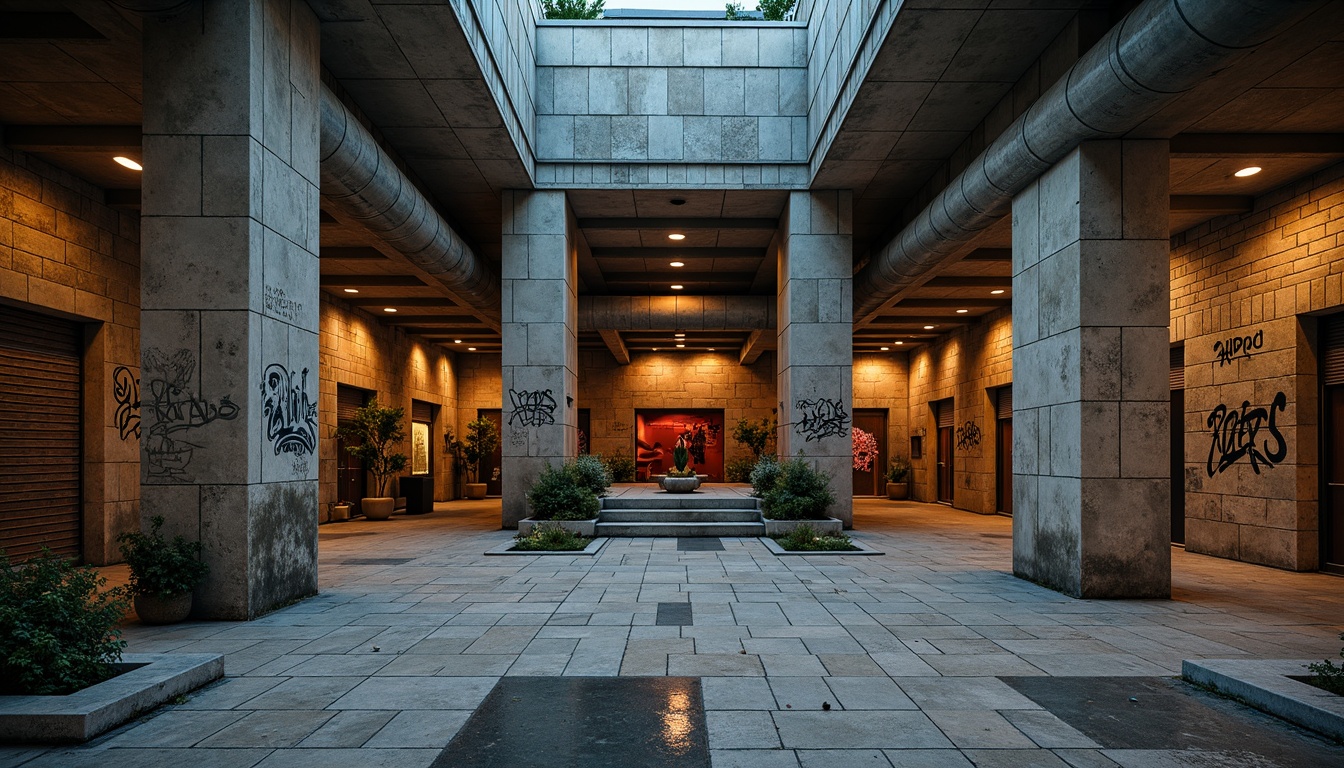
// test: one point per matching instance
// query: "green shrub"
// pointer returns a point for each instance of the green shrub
(799, 492)
(57, 629)
(549, 538)
(805, 538)
(764, 475)
(899, 470)
(622, 468)
(738, 470)
(755, 435)
(590, 472)
(161, 567)
(1328, 675)
(557, 495)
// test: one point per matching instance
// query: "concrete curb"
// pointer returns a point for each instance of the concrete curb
(1265, 684)
(150, 679)
(778, 551)
(591, 550)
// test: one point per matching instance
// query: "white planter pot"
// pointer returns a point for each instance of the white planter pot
(828, 527)
(379, 508)
(580, 527)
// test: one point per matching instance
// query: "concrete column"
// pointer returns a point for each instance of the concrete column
(539, 268)
(229, 291)
(1091, 304)
(816, 337)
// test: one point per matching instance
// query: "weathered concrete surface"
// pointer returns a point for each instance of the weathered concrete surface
(1268, 685)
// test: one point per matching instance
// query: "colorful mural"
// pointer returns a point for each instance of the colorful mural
(657, 432)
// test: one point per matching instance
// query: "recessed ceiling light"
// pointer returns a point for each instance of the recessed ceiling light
(1248, 171)
(962, 311)
(996, 291)
(678, 287)
(655, 349)
(678, 263)
(127, 162)
(886, 349)
(457, 341)
(679, 346)
(471, 349)
(389, 309)
(676, 236)
(898, 342)
(352, 290)
(679, 335)
(928, 327)
(711, 349)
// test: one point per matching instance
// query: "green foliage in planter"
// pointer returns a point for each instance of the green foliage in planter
(572, 9)
(622, 468)
(482, 440)
(550, 538)
(764, 475)
(799, 492)
(738, 470)
(57, 629)
(558, 495)
(680, 458)
(590, 472)
(377, 431)
(159, 566)
(899, 470)
(805, 538)
(755, 435)
(1327, 675)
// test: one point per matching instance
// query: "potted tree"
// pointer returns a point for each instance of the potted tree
(898, 475)
(163, 573)
(378, 430)
(482, 440)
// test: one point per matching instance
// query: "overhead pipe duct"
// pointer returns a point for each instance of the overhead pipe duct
(363, 182)
(1157, 52)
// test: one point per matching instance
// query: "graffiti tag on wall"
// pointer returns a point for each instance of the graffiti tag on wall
(126, 393)
(1236, 347)
(1235, 434)
(280, 305)
(291, 418)
(822, 418)
(174, 408)
(968, 436)
(532, 409)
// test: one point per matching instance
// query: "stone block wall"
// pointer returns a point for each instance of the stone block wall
(967, 365)
(883, 381)
(359, 351)
(64, 252)
(1246, 283)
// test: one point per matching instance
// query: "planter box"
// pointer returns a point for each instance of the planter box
(828, 527)
(151, 679)
(580, 527)
(1269, 685)
(778, 551)
(898, 491)
(591, 550)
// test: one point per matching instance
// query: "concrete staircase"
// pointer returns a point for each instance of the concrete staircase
(680, 514)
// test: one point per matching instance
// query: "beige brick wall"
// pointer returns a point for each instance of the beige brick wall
(1256, 276)
(359, 351)
(967, 365)
(63, 252)
(882, 381)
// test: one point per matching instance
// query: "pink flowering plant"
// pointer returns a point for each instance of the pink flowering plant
(865, 449)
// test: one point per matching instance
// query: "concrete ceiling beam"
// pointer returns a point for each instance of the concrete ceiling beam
(615, 345)
(678, 223)
(73, 138)
(757, 343)
(676, 313)
(1212, 205)
(1257, 144)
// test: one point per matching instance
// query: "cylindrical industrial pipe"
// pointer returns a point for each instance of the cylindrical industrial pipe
(1160, 50)
(361, 180)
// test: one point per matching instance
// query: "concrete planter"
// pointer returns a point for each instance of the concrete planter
(898, 491)
(828, 527)
(475, 490)
(153, 609)
(579, 527)
(340, 513)
(680, 484)
(379, 508)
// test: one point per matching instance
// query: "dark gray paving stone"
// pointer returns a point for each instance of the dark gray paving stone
(371, 560)
(589, 723)
(1155, 713)
(699, 545)
(674, 614)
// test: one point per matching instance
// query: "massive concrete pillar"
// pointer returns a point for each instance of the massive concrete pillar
(539, 319)
(1091, 304)
(816, 331)
(229, 295)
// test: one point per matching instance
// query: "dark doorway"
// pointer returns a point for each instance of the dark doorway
(585, 432)
(872, 482)
(1004, 453)
(944, 413)
(351, 479)
(1332, 458)
(1178, 445)
(494, 486)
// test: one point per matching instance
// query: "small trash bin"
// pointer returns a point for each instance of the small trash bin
(419, 493)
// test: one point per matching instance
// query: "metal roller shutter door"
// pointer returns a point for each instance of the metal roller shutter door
(39, 434)
(1332, 351)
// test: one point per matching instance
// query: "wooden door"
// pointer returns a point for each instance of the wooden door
(494, 485)
(1332, 457)
(352, 482)
(1003, 457)
(945, 465)
(872, 482)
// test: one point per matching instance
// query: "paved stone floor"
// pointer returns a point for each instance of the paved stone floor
(838, 661)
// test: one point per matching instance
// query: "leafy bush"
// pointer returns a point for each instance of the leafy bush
(764, 475)
(622, 468)
(738, 470)
(482, 440)
(161, 567)
(573, 9)
(899, 470)
(375, 432)
(57, 629)
(799, 492)
(1327, 675)
(549, 538)
(755, 435)
(805, 538)
(558, 495)
(590, 472)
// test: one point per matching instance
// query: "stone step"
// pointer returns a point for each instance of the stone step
(680, 529)
(680, 516)
(679, 501)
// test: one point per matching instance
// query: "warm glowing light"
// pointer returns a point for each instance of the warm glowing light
(457, 341)
(962, 311)
(678, 264)
(352, 290)
(679, 346)
(679, 335)
(886, 349)
(996, 291)
(1249, 171)
(678, 287)
(711, 349)
(655, 349)
(389, 309)
(127, 162)
(676, 236)
(471, 349)
(928, 327)
(898, 342)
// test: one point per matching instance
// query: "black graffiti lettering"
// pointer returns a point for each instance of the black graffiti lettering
(1235, 432)
(291, 417)
(172, 408)
(821, 418)
(968, 436)
(126, 393)
(1237, 347)
(532, 409)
